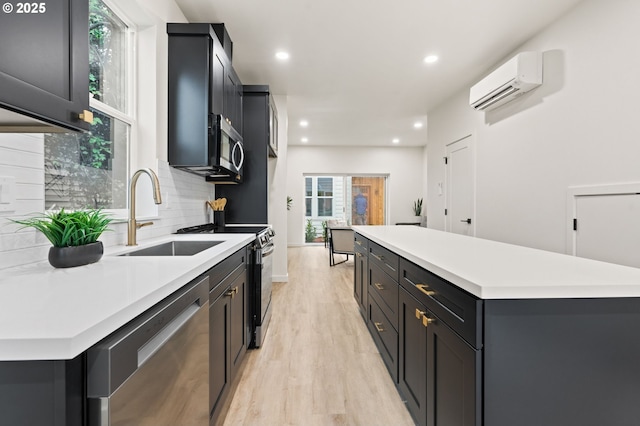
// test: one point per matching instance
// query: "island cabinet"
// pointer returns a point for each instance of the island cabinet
(228, 328)
(383, 304)
(492, 334)
(44, 71)
(429, 334)
(361, 276)
(439, 349)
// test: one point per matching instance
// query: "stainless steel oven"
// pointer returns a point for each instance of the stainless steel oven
(264, 267)
(260, 273)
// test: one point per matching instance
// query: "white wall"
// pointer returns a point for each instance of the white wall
(404, 166)
(579, 128)
(278, 194)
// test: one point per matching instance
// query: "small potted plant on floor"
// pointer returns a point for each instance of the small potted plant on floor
(74, 235)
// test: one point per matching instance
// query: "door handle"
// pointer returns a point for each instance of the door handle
(466, 220)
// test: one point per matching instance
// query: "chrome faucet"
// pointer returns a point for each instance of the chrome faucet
(133, 225)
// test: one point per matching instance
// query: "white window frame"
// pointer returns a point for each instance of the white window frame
(314, 196)
(128, 117)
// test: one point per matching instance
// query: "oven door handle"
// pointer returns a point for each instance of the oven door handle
(268, 251)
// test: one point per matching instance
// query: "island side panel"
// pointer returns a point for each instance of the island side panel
(43, 393)
(559, 362)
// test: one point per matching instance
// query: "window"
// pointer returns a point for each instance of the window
(308, 199)
(319, 196)
(325, 196)
(91, 170)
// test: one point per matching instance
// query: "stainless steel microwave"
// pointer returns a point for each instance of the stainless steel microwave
(218, 155)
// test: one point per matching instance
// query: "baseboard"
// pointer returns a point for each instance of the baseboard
(280, 278)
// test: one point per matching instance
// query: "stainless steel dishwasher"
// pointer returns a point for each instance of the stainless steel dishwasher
(154, 370)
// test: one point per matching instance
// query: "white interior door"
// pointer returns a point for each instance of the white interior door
(607, 228)
(460, 187)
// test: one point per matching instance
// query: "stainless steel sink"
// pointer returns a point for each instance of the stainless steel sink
(174, 248)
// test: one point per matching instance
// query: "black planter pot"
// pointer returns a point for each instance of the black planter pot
(67, 257)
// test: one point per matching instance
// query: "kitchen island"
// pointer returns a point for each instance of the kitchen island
(477, 332)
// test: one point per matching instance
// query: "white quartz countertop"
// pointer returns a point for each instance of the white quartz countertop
(48, 313)
(494, 270)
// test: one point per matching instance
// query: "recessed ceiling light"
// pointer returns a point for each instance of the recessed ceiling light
(431, 59)
(304, 140)
(395, 140)
(418, 125)
(304, 123)
(283, 56)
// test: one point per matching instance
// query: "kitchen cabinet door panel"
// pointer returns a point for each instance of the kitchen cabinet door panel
(219, 369)
(44, 72)
(218, 68)
(361, 282)
(452, 375)
(238, 321)
(412, 358)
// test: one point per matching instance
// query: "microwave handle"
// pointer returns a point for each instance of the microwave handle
(233, 155)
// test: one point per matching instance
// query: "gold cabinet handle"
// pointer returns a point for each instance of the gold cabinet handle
(86, 116)
(378, 327)
(426, 320)
(358, 243)
(423, 288)
(359, 254)
(232, 292)
(419, 313)
(376, 256)
(379, 286)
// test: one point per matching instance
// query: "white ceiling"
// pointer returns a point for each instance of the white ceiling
(356, 69)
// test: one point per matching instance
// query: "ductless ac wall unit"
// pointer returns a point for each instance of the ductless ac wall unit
(515, 77)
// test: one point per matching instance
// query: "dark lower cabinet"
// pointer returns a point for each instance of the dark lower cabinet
(220, 367)
(384, 336)
(361, 282)
(238, 322)
(228, 337)
(453, 377)
(412, 359)
(46, 393)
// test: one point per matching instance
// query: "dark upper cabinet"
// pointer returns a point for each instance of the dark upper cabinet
(248, 203)
(201, 81)
(219, 71)
(44, 70)
(233, 97)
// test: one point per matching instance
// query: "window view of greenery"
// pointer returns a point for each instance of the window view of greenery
(91, 170)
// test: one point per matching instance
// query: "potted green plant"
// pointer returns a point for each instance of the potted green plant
(417, 207)
(74, 235)
(309, 232)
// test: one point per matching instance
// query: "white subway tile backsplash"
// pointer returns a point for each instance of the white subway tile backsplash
(22, 156)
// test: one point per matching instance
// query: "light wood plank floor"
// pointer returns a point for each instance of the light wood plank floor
(318, 365)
